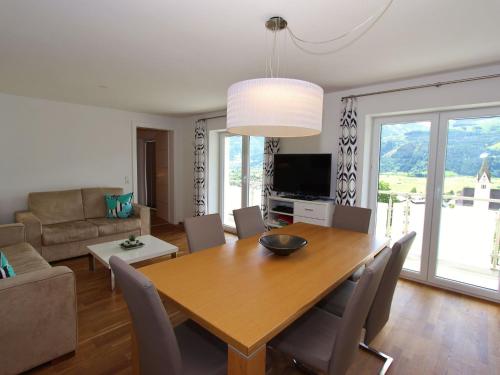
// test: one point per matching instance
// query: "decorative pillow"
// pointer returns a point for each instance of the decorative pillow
(119, 206)
(6, 269)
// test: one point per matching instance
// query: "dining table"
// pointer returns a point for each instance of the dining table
(245, 295)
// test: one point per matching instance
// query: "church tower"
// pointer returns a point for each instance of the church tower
(483, 185)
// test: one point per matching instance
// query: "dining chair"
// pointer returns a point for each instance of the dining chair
(186, 350)
(352, 218)
(337, 301)
(328, 343)
(248, 222)
(204, 232)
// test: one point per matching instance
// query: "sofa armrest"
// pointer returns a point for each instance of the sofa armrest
(39, 319)
(11, 234)
(33, 228)
(144, 213)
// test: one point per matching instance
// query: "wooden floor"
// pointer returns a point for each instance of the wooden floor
(430, 331)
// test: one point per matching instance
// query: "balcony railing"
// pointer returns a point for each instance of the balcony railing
(448, 201)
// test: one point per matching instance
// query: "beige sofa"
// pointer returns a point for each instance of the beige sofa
(61, 224)
(38, 320)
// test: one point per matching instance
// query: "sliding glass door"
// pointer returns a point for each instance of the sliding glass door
(241, 165)
(439, 174)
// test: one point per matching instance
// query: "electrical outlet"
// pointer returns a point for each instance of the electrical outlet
(126, 180)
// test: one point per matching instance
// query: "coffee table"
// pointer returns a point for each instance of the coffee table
(153, 248)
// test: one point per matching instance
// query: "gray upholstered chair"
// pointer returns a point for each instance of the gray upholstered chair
(328, 343)
(378, 316)
(187, 349)
(248, 222)
(204, 232)
(352, 218)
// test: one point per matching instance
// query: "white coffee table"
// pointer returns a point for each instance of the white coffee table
(153, 248)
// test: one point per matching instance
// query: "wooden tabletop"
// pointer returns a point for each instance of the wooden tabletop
(246, 295)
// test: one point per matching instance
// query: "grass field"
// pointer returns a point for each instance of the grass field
(402, 183)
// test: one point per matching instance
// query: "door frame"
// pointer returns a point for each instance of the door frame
(433, 118)
(435, 180)
(432, 278)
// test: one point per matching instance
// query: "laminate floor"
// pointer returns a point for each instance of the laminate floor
(430, 331)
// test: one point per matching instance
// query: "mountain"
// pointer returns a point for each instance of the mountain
(404, 147)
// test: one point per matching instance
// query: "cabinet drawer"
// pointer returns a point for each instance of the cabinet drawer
(313, 211)
(308, 220)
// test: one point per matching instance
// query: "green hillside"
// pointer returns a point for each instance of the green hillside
(404, 147)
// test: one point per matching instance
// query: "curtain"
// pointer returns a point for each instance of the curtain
(271, 147)
(200, 168)
(347, 163)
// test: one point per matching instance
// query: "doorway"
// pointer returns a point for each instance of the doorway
(241, 165)
(439, 175)
(152, 172)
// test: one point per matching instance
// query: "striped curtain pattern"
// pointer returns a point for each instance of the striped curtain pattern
(200, 168)
(347, 163)
(271, 147)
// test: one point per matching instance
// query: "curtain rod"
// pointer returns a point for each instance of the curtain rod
(436, 84)
(211, 118)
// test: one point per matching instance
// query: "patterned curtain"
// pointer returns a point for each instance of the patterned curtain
(347, 159)
(271, 147)
(200, 168)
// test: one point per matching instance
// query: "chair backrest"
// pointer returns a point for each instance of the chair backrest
(352, 218)
(381, 306)
(158, 348)
(204, 232)
(248, 222)
(351, 325)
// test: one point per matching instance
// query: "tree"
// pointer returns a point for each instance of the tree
(413, 190)
(382, 185)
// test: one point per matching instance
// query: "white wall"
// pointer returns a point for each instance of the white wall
(47, 145)
(470, 94)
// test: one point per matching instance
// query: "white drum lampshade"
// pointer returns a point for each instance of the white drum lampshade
(275, 107)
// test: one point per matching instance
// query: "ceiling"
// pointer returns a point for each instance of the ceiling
(179, 57)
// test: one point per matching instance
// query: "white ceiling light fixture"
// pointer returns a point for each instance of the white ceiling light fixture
(282, 107)
(275, 107)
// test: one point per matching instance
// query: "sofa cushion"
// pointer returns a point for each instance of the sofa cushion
(119, 206)
(6, 269)
(94, 204)
(68, 232)
(24, 258)
(108, 227)
(56, 206)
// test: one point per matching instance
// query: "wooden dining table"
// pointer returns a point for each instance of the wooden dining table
(245, 295)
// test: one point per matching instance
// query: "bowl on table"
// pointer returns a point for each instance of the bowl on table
(282, 244)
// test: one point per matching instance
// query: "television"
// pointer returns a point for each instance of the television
(303, 174)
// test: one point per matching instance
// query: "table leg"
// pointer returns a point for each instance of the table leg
(91, 263)
(241, 364)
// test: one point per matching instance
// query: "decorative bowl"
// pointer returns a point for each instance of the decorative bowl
(282, 244)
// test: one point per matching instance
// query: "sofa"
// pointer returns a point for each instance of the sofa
(61, 224)
(38, 319)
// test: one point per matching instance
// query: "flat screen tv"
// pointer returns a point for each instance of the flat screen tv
(303, 174)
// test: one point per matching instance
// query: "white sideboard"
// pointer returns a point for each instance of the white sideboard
(314, 212)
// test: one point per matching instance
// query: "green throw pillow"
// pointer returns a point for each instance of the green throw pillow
(119, 206)
(6, 269)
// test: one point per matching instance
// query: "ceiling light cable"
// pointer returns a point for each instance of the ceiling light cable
(374, 18)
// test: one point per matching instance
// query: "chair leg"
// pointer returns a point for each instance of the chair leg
(387, 360)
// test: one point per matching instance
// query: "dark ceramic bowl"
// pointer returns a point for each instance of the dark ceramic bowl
(282, 244)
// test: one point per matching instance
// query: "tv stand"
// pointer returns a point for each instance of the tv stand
(284, 210)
